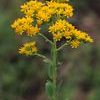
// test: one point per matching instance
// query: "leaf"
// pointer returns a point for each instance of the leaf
(50, 88)
(50, 72)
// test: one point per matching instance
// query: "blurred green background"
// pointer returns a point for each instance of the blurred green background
(23, 78)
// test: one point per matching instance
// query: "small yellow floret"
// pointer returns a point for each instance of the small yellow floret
(57, 36)
(74, 43)
(28, 48)
(32, 31)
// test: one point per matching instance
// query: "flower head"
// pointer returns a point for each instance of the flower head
(62, 28)
(25, 24)
(74, 43)
(31, 7)
(28, 48)
(63, 9)
(53, 14)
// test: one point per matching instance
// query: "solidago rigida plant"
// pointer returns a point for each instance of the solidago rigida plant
(55, 14)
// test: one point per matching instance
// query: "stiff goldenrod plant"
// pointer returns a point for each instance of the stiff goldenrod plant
(55, 15)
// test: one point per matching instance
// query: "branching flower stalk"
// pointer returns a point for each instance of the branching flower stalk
(55, 15)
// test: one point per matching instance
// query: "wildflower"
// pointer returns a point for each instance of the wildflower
(63, 9)
(24, 24)
(31, 7)
(28, 48)
(59, 25)
(82, 36)
(55, 14)
(32, 31)
(57, 36)
(61, 28)
(74, 43)
(44, 14)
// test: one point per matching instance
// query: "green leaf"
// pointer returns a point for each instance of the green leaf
(50, 72)
(50, 88)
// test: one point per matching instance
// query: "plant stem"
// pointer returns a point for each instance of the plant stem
(54, 61)
(44, 57)
(40, 55)
(46, 38)
(62, 46)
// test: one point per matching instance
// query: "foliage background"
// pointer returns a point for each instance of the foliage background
(23, 78)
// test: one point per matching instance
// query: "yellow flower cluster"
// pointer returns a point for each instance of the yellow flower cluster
(28, 48)
(31, 7)
(24, 24)
(82, 36)
(38, 12)
(62, 9)
(44, 14)
(62, 28)
(55, 14)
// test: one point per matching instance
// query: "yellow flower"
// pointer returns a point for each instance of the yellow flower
(28, 48)
(59, 25)
(82, 36)
(22, 24)
(25, 25)
(55, 15)
(89, 39)
(31, 7)
(67, 35)
(63, 9)
(57, 36)
(62, 27)
(32, 31)
(74, 43)
(44, 14)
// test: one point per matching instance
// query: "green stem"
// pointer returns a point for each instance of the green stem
(44, 57)
(54, 60)
(40, 55)
(46, 38)
(62, 46)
